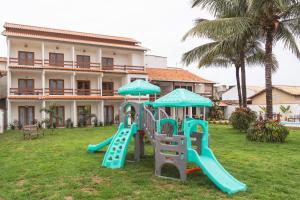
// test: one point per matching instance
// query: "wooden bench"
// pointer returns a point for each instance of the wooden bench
(31, 131)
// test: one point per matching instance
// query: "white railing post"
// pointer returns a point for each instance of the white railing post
(43, 54)
(75, 113)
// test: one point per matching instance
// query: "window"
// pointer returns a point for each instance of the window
(56, 87)
(25, 86)
(83, 87)
(107, 61)
(83, 61)
(84, 113)
(26, 115)
(107, 88)
(56, 59)
(58, 116)
(25, 58)
(190, 88)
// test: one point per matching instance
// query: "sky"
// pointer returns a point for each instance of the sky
(158, 24)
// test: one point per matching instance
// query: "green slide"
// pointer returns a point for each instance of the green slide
(116, 153)
(96, 147)
(215, 171)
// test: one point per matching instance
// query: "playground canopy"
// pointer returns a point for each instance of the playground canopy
(139, 87)
(182, 98)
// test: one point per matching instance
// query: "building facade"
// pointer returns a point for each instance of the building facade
(77, 72)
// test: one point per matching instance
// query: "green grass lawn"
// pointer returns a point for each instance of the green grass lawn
(57, 166)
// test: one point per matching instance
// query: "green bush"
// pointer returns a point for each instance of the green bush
(241, 118)
(267, 131)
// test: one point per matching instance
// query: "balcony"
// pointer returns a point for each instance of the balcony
(109, 92)
(26, 91)
(88, 92)
(78, 65)
(65, 91)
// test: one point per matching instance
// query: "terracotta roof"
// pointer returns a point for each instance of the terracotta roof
(174, 74)
(292, 90)
(26, 31)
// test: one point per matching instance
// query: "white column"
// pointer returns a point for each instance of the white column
(43, 82)
(75, 113)
(8, 105)
(43, 54)
(73, 56)
(204, 113)
(173, 111)
(99, 87)
(8, 81)
(73, 83)
(100, 57)
(8, 53)
(44, 113)
(102, 112)
(190, 111)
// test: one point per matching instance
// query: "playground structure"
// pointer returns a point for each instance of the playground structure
(173, 143)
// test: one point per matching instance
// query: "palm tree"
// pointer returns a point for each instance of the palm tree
(270, 20)
(232, 52)
(277, 20)
(51, 111)
(212, 55)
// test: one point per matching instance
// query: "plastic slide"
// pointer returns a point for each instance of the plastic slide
(215, 171)
(116, 153)
(96, 147)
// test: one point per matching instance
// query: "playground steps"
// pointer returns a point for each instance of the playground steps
(117, 150)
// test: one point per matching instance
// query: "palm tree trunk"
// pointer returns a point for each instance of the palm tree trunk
(268, 73)
(238, 84)
(243, 77)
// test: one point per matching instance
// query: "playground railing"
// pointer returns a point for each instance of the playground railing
(149, 124)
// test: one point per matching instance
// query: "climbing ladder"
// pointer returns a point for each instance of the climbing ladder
(117, 150)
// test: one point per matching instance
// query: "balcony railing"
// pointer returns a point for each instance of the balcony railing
(65, 91)
(26, 91)
(79, 65)
(88, 92)
(109, 92)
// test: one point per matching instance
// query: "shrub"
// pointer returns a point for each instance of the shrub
(241, 118)
(69, 123)
(216, 112)
(267, 131)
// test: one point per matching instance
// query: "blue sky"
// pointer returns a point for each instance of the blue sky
(158, 24)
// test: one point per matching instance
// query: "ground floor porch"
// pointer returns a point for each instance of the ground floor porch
(63, 112)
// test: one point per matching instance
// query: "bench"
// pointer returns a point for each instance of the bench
(31, 131)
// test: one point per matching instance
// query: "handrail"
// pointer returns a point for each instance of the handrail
(149, 124)
(26, 91)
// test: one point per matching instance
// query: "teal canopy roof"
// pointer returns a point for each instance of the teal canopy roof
(182, 98)
(139, 87)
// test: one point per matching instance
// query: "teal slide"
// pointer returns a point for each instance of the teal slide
(215, 171)
(96, 147)
(116, 153)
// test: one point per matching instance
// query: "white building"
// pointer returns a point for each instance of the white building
(74, 70)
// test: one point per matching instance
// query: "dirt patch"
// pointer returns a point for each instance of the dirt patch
(68, 198)
(20, 182)
(88, 190)
(97, 180)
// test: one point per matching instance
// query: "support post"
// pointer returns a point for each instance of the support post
(8, 105)
(102, 112)
(73, 57)
(75, 113)
(73, 83)
(44, 113)
(43, 82)
(43, 54)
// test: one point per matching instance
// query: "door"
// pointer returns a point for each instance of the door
(26, 115)
(83, 87)
(83, 61)
(56, 87)
(25, 58)
(56, 59)
(59, 116)
(25, 86)
(107, 63)
(108, 115)
(108, 88)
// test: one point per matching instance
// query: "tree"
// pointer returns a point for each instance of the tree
(51, 111)
(225, 52)
(276, 20)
